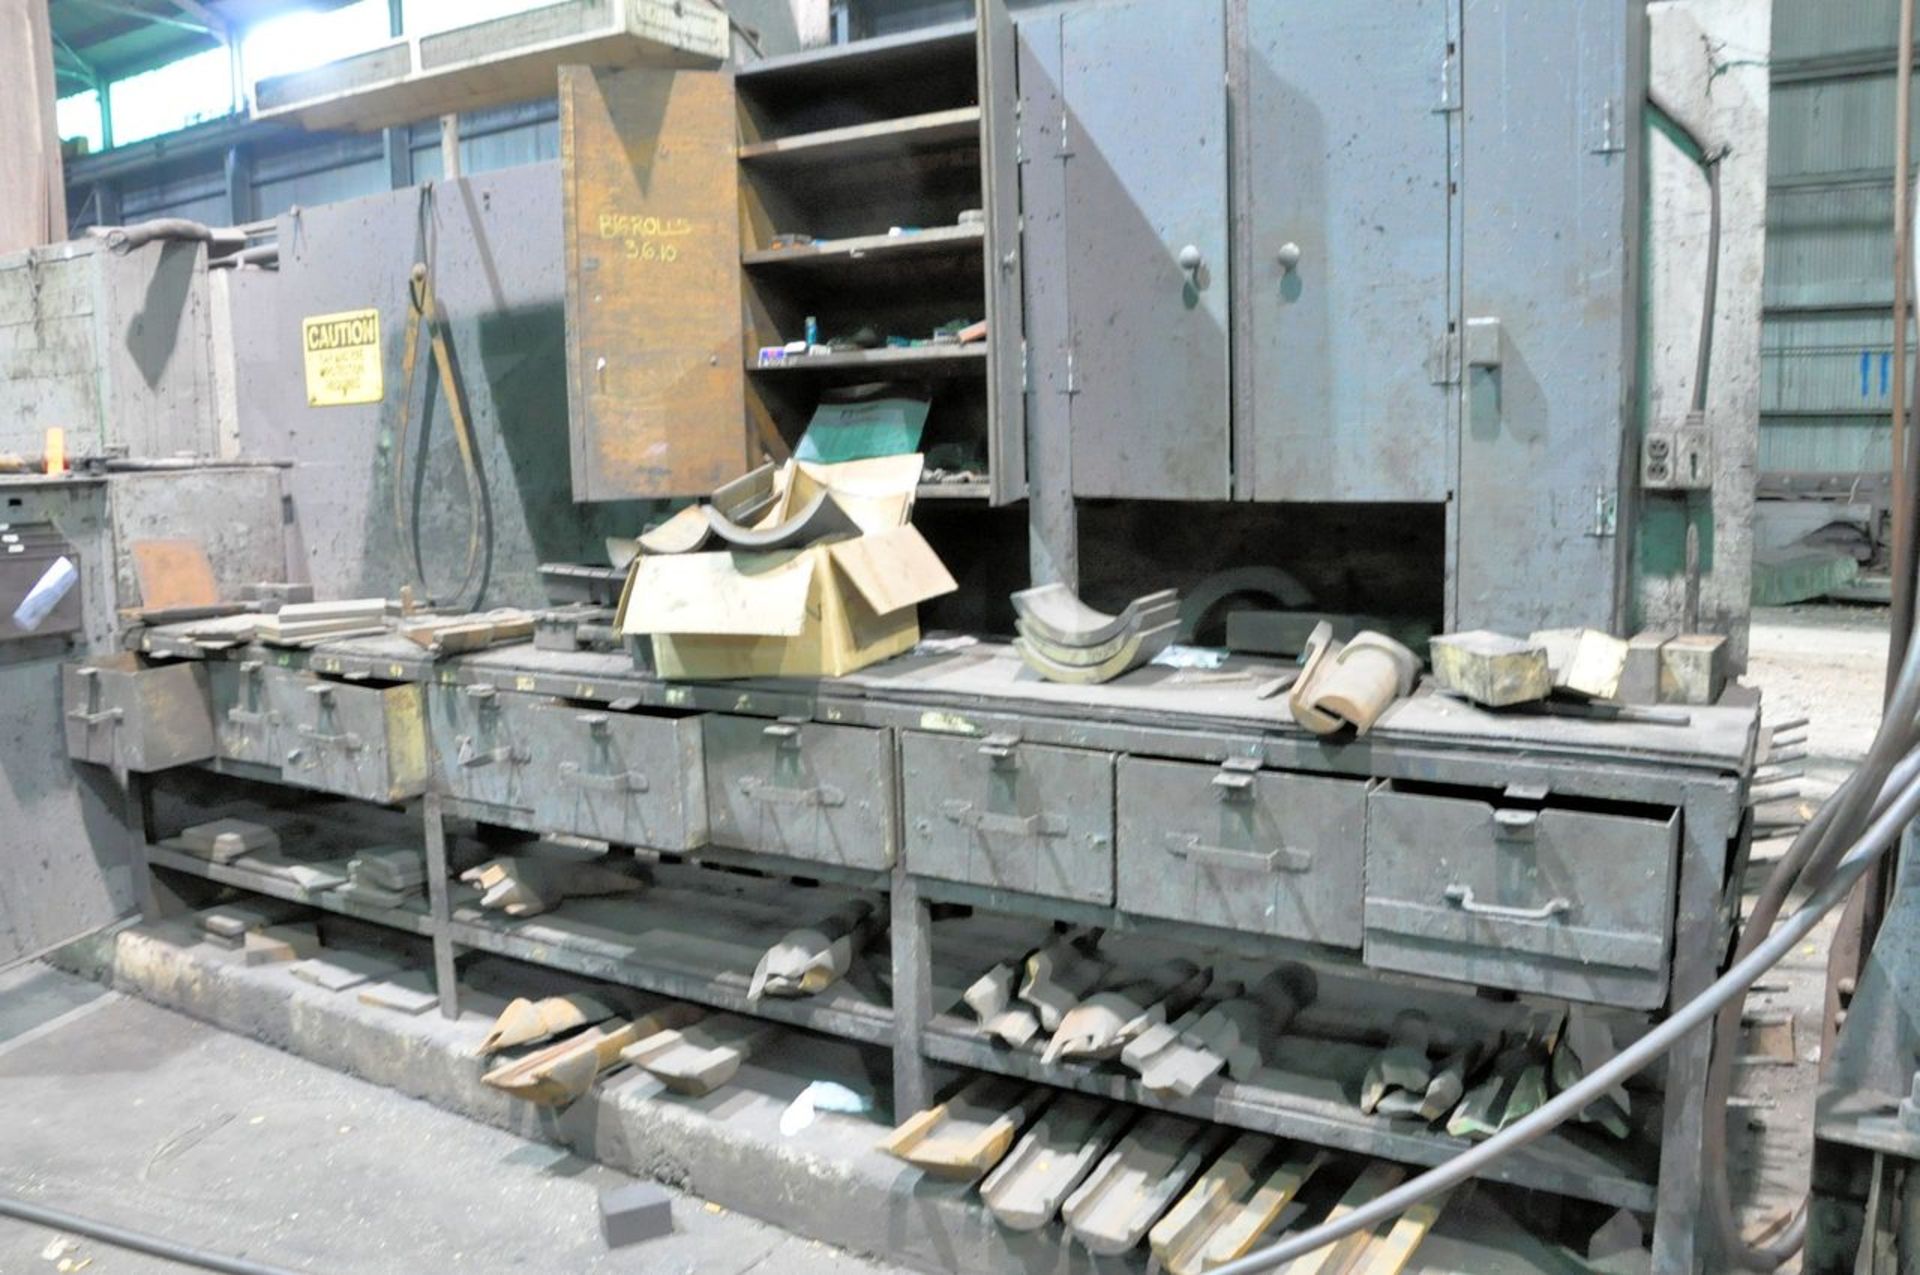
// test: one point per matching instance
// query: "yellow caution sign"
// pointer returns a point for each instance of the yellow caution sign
(343, 358)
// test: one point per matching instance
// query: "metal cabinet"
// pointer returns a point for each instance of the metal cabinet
(134, 717)
(1242, 848)
(368, 742)
(1345, 286)
(242, 716)
(1571, 903)
(801, 789)
(481, 744)
(629, 778)
(1130, 100)
(1010, 815)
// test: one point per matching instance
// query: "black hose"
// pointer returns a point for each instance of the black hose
(138, 1241)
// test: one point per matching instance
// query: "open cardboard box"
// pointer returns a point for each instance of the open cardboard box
(821, 611)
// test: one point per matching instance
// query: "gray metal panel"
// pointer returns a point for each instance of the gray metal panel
(1344, 404)
(243, 723)
(140, 719)
(1551, 229)
(359, 741)
(1279, 854)
(801, 789)
(629, 778)
(1566, 903)
(500, 279)
(1009, 815)
(1054, 538)
(483, 744)
(238, 515)
(1000, 189)
(1146, 178)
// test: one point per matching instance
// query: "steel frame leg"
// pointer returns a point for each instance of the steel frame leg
(911, 934)
(439, 910)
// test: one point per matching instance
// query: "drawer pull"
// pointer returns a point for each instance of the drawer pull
(471, 758)
(1280, 859)
(484, 696)
(999, 748)
(783, 732)
(346, 742)
(1035, 825)
(774, 794)
(96, 719)
(621, 781)
(1461, 896)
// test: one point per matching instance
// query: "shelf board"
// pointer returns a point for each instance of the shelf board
(886, 356)
(1309, 1093)
(840, 252)
(955, 491)
(412, 918)
(686, 943)
(860, 141)
(836, 64)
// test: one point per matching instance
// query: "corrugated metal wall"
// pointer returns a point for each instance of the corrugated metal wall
(1828, 335)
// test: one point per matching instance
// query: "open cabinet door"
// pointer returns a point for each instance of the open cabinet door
(655, 372)
(1000, 189)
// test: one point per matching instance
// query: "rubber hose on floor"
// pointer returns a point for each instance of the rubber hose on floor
(139, 1242)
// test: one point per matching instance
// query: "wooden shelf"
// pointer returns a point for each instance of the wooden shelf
(1310, 1093)
(412, 918)
(886, 356)
(862, 141)
(887, 55)
(840, 252)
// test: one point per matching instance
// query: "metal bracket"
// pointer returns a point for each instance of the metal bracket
(998, 748)
(1236, 777)
(1611, 141)
(784, 732)
(1606, 513)
(1516, 825)
(1449, 84)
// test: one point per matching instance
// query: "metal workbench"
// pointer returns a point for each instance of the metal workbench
(693, 935)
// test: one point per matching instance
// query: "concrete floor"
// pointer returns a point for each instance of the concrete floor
(125, 1112)
(131, 1113)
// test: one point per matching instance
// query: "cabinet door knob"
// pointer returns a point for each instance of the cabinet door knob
(1191, 259)
(1288, 256)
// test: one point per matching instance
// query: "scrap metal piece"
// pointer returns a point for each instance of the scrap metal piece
(1026, 1189)
(1225, 1213)
(526, 1022)
(698, 1057)
(963, 1137)
(1137, 649)
(811, 959)
(1057, 976)
(1101, 1025)
(820, 519)
(1479, 1113)
(1693, 669)
(1491, 668)
(557, 1074)
(747, 497)
(225, 840)
(526, 886)
(1403, 1064)
(1585, 662)
(991, 998)
(1351, 684)
(1279, 587)
(1055, 614)
(1135, 1182)
(1150, 618)
(686, 532)
(1449, 1083)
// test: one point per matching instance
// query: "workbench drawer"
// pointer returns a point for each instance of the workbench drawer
(138, 718)
(636, 779)
(1235, 846)
(1521, 894)
(801, 789)
(243, 726)
(1010, 815)
(368, 742)
(482, 743)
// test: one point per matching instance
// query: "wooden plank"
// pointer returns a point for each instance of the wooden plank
(652, 227)
(829, 252)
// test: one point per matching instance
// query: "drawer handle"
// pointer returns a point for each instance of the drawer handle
(471, 758)
(96, 719)
(786, 733)
(346, 742)
(1461, 896)
(774, 794)
(484, 696)
(1280, 859)
(595, 722)
(999, 748)
(1035, 825)
(320, 691)
(623, 781)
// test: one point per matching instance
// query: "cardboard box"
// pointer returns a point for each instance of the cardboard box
(818, 612)
(821, 611)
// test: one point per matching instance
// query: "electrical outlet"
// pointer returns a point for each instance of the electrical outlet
(1678, 457)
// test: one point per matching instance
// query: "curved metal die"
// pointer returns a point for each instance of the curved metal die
(1054, 613)
(1137, 650)
(821, 519)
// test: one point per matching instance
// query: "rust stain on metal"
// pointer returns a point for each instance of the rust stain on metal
(655, 366)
